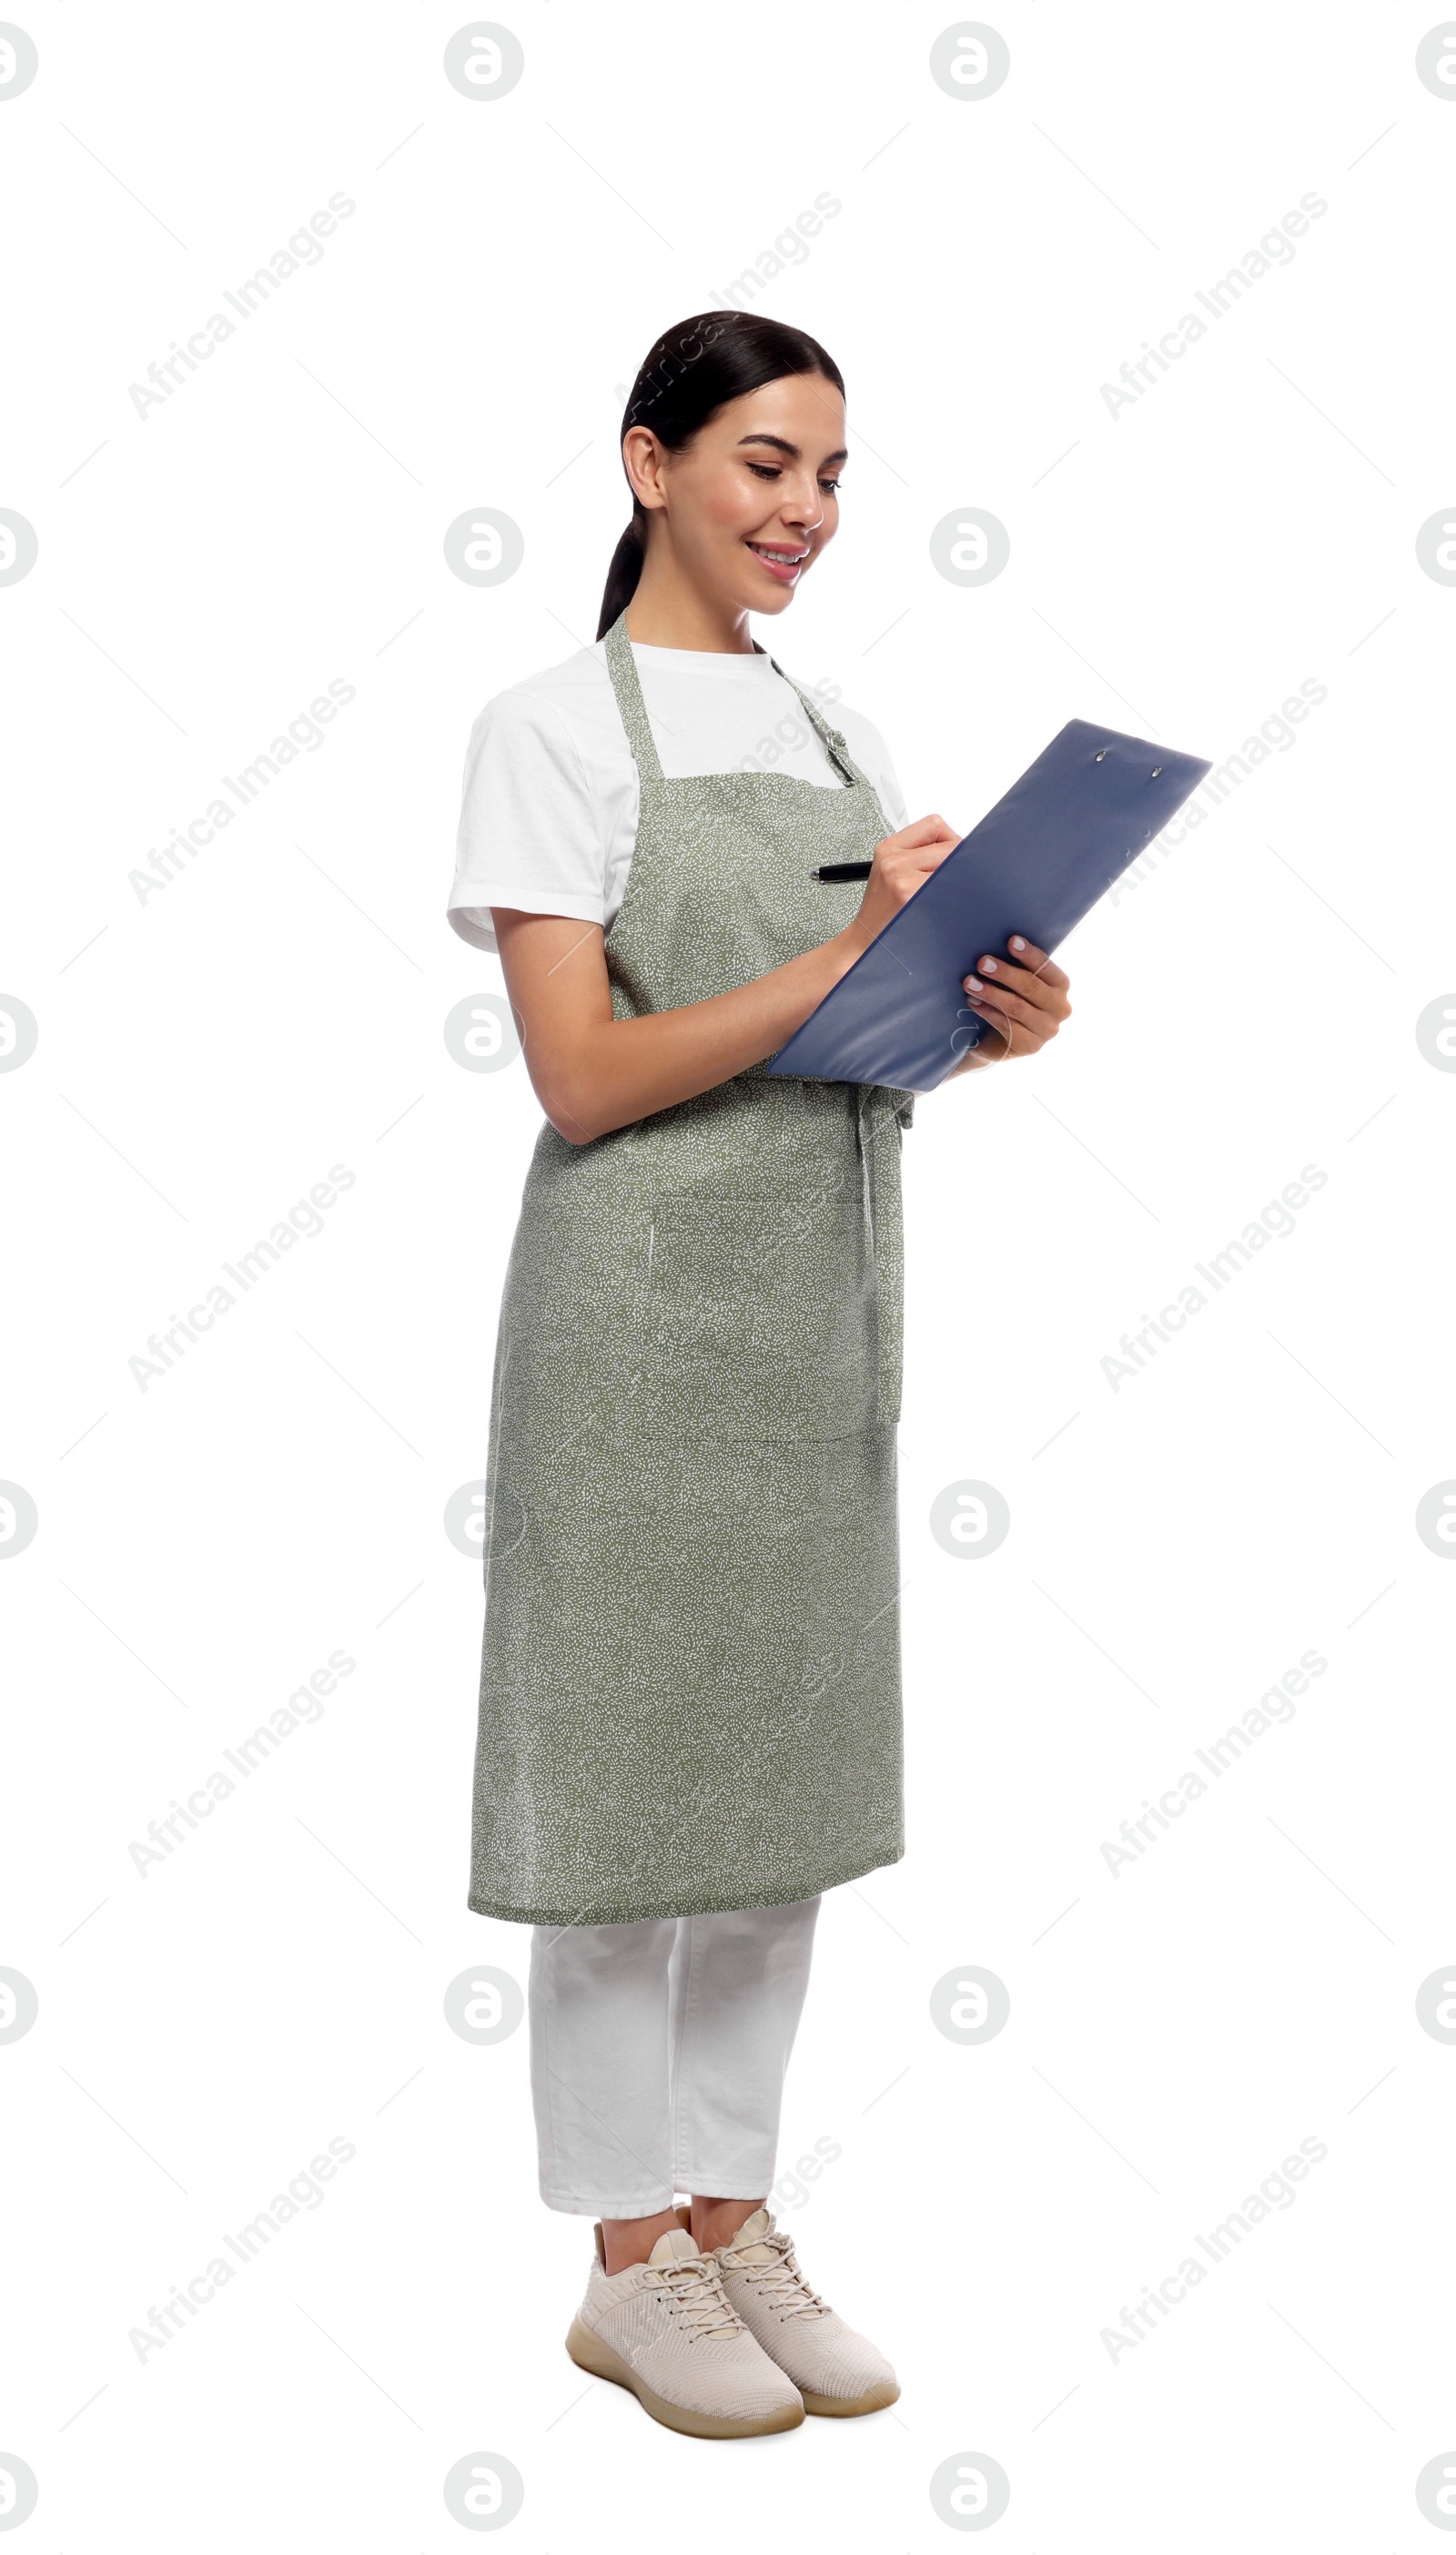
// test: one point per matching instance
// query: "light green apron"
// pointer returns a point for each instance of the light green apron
(689, 1693)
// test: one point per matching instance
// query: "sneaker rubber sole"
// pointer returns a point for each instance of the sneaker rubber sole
(589, 2351)
(873, 2401)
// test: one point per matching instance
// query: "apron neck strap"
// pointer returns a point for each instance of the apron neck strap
(622, 667)
(829, 737)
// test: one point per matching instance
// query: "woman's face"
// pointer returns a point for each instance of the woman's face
(749, 504)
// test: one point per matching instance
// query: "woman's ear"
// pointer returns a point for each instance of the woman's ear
(643, 458)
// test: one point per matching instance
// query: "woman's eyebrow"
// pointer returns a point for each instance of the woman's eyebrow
(781, 444)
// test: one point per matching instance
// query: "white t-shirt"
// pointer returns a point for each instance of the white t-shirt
(550, 799)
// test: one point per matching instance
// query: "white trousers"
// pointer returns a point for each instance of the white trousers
(658, 2055)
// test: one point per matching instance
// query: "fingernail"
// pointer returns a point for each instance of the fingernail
(972, 984)
(1016, 942)
(988, 966)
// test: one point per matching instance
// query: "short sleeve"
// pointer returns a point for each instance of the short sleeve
(531, 833)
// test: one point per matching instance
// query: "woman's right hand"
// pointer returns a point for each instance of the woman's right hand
(594, 1073)
(902, 863)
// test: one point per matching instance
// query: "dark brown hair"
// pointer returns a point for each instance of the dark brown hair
(692, 371)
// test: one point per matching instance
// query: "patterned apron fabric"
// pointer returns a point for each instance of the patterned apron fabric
(690, 1694)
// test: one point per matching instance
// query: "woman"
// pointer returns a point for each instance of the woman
(689, 1707)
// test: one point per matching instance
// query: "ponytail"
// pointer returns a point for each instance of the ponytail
(691, 372)
(622, 577)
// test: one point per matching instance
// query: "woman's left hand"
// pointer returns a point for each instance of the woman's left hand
(1022, 998)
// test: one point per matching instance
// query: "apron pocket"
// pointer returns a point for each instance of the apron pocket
(762, 1316)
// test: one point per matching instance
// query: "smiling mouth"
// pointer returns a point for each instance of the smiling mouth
(782, 563)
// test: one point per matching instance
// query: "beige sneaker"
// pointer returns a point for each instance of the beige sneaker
(834, 2369)
(664, 2328)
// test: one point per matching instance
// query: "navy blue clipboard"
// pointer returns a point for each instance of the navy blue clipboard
(1065, 834)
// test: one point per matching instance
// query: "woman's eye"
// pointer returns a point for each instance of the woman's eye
(763, 470)
(832, 485)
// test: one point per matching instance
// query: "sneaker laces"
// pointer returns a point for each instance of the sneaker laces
(694, 2290)
(779, 2281)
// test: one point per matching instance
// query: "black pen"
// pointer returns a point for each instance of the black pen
(833, 871)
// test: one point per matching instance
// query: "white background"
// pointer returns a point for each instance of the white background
(205, 1057)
